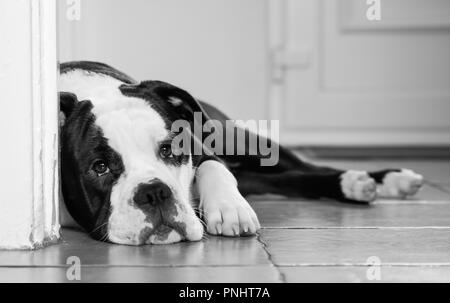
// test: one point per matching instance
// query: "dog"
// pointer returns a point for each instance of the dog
(123, 183)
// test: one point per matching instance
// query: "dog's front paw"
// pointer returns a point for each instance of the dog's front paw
(229, 215)
(358, 186)
(400, 184)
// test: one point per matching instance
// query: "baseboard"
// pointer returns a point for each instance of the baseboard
(376, 152)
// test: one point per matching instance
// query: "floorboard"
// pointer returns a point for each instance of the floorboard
(417, 246)
(364, 274)
(314, 214)
(214, 251)
(114, 274)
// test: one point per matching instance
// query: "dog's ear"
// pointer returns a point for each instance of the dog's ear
(67, 103)
(181, 103)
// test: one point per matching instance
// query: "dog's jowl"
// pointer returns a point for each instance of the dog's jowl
(123, 182)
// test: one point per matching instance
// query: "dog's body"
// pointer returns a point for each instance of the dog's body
(122, 182)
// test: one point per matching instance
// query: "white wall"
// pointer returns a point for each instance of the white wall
(216, 49)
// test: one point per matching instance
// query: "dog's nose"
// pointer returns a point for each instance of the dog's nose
(152, 193)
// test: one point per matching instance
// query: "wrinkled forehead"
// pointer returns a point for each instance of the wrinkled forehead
(133, 128)
(131, 125)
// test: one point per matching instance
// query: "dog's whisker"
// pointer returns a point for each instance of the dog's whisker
(205, 236)
(202, 222)
(98, 227)
(105, 237)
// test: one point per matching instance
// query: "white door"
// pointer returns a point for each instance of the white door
(339, 78)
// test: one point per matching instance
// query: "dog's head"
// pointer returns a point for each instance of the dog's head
(121, 180)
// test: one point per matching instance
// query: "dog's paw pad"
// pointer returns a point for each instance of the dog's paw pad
(231, 218)
(358, 186)
(400, 184)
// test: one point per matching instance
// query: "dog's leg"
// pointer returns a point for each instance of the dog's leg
(224, 209)
(349, 186)
(397, 183)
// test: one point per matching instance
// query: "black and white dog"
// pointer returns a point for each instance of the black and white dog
(122, 182)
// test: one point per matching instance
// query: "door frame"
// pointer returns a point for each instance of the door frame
(29, 208)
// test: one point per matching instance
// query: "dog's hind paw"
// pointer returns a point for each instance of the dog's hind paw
(358, 186)
(400, 184)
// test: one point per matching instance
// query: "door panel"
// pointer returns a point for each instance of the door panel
(381, 82)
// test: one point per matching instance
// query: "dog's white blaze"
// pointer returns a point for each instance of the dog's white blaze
(134, 130)
(172, 237)
(125, 221)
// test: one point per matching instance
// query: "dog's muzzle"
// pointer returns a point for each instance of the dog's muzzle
(158, 203)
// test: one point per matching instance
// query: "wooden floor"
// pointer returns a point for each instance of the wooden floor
(301, 241)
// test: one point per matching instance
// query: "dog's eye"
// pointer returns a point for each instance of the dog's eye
(165, 151)
(100, 167)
